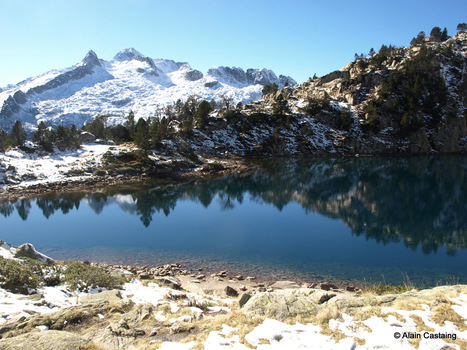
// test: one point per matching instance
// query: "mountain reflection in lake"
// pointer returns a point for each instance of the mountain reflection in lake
(378, 219)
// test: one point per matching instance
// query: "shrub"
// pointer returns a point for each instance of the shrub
(82, 276)
(17, 277)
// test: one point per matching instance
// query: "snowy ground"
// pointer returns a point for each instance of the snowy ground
(22, 169)
(271, 334)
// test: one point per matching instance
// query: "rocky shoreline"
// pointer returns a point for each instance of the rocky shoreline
(220, 281)
(169, 307)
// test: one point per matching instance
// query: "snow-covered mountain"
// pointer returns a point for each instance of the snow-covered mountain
(131, 81)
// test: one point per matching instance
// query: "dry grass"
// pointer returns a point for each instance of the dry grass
(326, 314)
(366, 312)
(408, 304)
(444, 312)
(359, 341)
(236, 318)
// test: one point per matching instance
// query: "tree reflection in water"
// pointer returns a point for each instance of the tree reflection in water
(420, 200)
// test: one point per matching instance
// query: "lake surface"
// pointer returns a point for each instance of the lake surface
(360, 219)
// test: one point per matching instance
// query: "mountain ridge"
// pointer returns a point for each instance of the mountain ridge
(92, 87)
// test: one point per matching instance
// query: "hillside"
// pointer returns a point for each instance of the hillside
(397, 101)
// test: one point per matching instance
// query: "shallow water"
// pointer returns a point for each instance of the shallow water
(363, 219)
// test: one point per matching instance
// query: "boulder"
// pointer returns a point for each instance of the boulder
(244, 299)
(231, 292)
(86, 137)
(27, 250)
(103, 298)
(169, 281)
(57, 340)
(283, 303)
(327, 286)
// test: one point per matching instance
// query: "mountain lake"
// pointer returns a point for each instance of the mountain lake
(369, 219)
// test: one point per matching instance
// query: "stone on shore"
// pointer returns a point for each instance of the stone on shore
(27, 250)
(170, 281)
(57, 340)
(284, 285)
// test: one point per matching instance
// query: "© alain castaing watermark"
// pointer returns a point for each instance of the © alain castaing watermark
(425, 335)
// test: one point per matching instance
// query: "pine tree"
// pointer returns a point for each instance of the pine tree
(130, 124)
(43, 137)
(3, 140)
(141, 135)
(419, 39)
(462, 27)
(280, 106)
(202, 113)
(436, 34)
(18, 135)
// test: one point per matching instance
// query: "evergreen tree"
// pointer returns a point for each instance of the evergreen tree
(444, 35)
(270, 89)
(18, 135)
(436, 34)
(42, 137)
(141, 135)
(3, 140)
(130, 124)
(419, 39)
(189, 108)
(280, 106)
(63, 138)
(462, 27)
(202, 113)
(163, 132)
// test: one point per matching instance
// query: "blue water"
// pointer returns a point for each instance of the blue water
(373, 219)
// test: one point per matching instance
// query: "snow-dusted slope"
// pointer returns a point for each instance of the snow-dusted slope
(131, 81)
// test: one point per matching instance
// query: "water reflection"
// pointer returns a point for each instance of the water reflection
(421, 201)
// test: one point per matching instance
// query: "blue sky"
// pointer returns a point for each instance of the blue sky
(295, 37)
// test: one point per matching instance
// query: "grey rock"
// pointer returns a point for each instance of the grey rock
(57, 340)
(243, 299)
(231, 292)
(283, 303)
(169, 281)
(327, 286)
(86, 137)
(103, 298)
(27, 250)
(138, 315)
(193, 75)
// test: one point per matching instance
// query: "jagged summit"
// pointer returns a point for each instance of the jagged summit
(91, 59)
(127, 54)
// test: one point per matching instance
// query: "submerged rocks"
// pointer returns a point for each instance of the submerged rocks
(284, 285)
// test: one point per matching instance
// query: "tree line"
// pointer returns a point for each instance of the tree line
(145, 133)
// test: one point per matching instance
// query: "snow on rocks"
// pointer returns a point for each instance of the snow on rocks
(30, 169)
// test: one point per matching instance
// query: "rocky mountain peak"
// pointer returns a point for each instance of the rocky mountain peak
(127, 54)
(91, 59)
